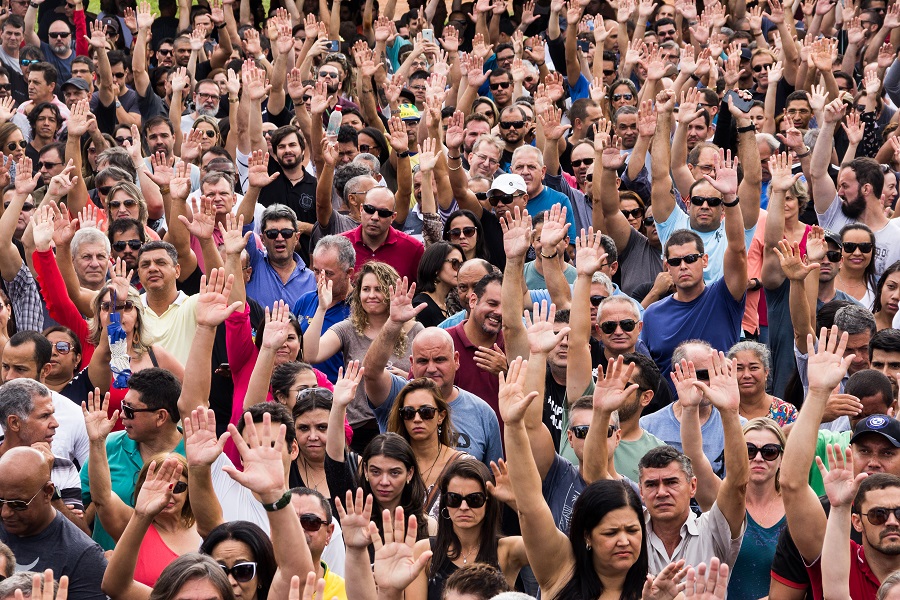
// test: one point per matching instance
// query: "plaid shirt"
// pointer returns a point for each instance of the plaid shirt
(27, 304)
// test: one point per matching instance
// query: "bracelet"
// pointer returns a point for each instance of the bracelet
(747, 129)
(731, 204)
(694, 77)
(164, 190)
(554, 255)
(804, 154)
(541, 64)
(278, 504)
(220, 26)
(233, 100)
(33, 4)
(403, 154)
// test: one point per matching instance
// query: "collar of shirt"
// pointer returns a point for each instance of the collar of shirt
(179, 300)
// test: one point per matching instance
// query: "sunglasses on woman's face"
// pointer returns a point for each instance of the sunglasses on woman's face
(769, 451)
(408, 413)
(634, 213)
(13, 145)
(63, 347)
(209, 133)
(242, 572)
(180, 487)
(864, 247)
(115, 204)
(473, 500)
(461, 232)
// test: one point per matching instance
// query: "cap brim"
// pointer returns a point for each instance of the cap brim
(889, 438)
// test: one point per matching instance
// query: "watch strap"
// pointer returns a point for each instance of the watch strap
(278, 504)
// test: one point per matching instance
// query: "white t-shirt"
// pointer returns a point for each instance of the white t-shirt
(71, 439)
(887, 239)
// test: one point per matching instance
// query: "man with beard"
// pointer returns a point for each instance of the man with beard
(206, 103)
(857, 199)
(159, 135)
(60, 51)
(512, 131)
(126, 236)
(332, 73)
(476, 125)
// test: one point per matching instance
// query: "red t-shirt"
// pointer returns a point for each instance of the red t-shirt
(863, 582)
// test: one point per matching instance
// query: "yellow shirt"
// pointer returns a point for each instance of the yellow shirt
(334, 585)
(174, 329)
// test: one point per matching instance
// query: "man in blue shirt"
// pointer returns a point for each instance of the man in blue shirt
(334, 260)
(528, 163)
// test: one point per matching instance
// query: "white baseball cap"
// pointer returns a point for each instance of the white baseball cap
(508, 184)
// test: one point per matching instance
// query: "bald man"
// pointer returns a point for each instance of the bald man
(433, 356)
(40, 536)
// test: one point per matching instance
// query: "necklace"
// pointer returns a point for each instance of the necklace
(428, 473)
(466, 555)
(306, 478)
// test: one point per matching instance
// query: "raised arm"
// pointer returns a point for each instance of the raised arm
(31, 36)
(278, 328)
(735, 260)
(10, 259)
(688, 110)
(517, 233)
(459, 184)
(609, 155)
(610, 395)
(113, 513)
(797, 271)
(661, 195)
(589, 255)
(344, 391)
(177, 179)
(202, 448)
(689, 397)
(823, 190)
(139, 58)
(573, 64)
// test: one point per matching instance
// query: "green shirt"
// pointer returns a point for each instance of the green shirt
(125, 464)
(842, 439)
(629, 454)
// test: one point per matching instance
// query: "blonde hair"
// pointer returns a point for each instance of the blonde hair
(767, 424)
(138, 343)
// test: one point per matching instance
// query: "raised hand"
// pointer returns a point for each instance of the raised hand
(261, 454)
(25, 181)
(815, 244)
(555, 227)
(97, 38)
(398, 136)
(700, 586)
(516, 232)
(612, 158)
(190, 147)
(278, 326)
(840, 484)
(157, 491)
(212, 306)
(144, 15)
(827, 364)
(347, 383)
(513, 400)
(395, 566)
(233, 237)
(589, 253)
(782, 177)
(551, 122)
(258, 170)
(96, 421)
(401, 298)
(42, 230)
(792, 262)
(64, 229)
(204, 219)
(501, 487)
(726, 180)
(667, 585)
(7, 108)
(647, 119)
(180, 184)
(854, 127)
(201, 445)
(722, 389)
(60, 185)
(428, 155)
(611, 393)
(120, 278)
(355, 519)
(684, 375)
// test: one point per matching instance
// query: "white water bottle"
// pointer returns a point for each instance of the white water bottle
(334, 123)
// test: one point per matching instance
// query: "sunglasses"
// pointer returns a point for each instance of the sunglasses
(122, 244)
(609, 327)
(876, 516)
(481, 196)
(512, 124)
(582, 161)
(27, 207)
(384, 213)
(833, 256)
(63, 347)
(633, 213)
(164, 52)
(617, 97)
(242, 572)
(703, 374)
(864, 247)
(329, 75)
(179, 488)
(316, 392)
(503, 198)
(690, 259)
(115, 204)
(581, 431)
(27, 62)
(129, 411)
(20, 505)
(287, 233)
(609, 72)
(59, 34)
(126, 306)
(120, 75)
(6, 86)
(473, 500)
(501, 85)
(311, 522)
(769, 451)
(408, 413)
(454, 263)
(47, 165)
(104, 189)
(209, 133)
(648, 221)
(712, 202)
(596, 300)
(13, 145)
(364, 147)
(306, 98)
(589, 177)
(120, 140)
(461, 232)
(760, 68)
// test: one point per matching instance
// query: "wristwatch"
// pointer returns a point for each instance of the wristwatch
(403, 155)
(278, 504)
(746, 129)
(732, 204)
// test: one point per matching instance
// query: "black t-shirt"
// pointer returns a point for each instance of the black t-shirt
(493, 239)
(432, 316)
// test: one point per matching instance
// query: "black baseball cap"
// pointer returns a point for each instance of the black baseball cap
(883, 425)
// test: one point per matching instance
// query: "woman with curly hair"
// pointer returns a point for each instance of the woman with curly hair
(369, 311)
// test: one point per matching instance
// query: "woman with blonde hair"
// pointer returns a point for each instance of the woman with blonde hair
(369, 312)
(125, 201)
(212, 136)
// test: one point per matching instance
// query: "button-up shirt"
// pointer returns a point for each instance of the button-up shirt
(266, 285)
(401, 251)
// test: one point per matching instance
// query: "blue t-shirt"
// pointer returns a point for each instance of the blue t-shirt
(561, 488)
(475, 423)
(304, 310)
(582, 89)
(545, 201)
(713, 316)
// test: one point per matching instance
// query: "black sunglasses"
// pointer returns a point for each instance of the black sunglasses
(209, 133)
(180, 487)
(63, 347)
(242, 572)
(609, 72)
(384, 213)
(126, 306)
(512, 124)
(702, 374)
(59, 34)
(582, 161)
(13, 145)
(632, 214)
(864, 247)
(833, 256)
(648, 221)
(760, 68)
(879, 515)
(121, 139)
(581, 431)
(699, 200)
(460, 232)
(690, 259)
(495, 199)
(129, 411)
(501, 85)
(311, 522)
(769, 451)
(617, 97)
(596, 300)
(287, 233)
(473, 500)
(481, 196)
(166, 52)
(408, 413)
(121, 245)
(609, 327)
(27, 207)
(49, 165)
(104, 189)
(129, 203)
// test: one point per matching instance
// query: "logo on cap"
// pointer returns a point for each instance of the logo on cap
(876, 421)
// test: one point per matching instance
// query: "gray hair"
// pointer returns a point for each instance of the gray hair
(605, 281)
(488, 139)
(624, 301)
(116, 173)
(887, 585)
(276, 212)
(681, 350)
(346, 173)
(854, 319)
(340, 244)
(760, 350)
(89, 235)
(369, 159)
(214, 177)
(769, 140)
(22, 581)
(353, 186)
(518, 596)
(118, 158)
(528, 149)
(17, 398)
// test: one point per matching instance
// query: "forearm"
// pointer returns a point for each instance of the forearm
(118, 580)
(212, 259)
(359, 579)
(595, 466)
(204, 502)
(638, 157)
(107, 89)
(404, 187)
(31, 36)
(98, 472)
(835, 561)
(801, 445)
(514, 334)
(381, 350)
(258, 387)
(195, 389)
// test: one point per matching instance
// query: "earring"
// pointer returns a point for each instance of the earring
(440, 429)
(445, 513)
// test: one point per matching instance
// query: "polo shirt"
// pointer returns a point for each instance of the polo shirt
(174, 329)
(334, 584)
(470, 376)
(305, 309)
(545, 201)
(401, 251)
(266, 286)
(702, 538)
(125, 463)
(863, 582)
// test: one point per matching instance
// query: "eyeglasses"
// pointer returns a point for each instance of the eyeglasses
(126, 306)
(461, 232)
(329, 75)
(120, 75)
(129, 411)
(166, 52)
(47, 165)
(408, 413)
(103, 190)
(112, 33)
(512, 124)
(287, 233)
(864, 247)
(490, 161)
(180, 487)
(481, 196)
(596, 300)
(760, 68)
(59, 34)
(306, 98)
(121, 139)
(632, 214)
(712, 202)
(364, 147)
(209, 133)
(833, 256)
(128, 202)
(501, 85)
(209, 97)
(20, 505)
(27, 207)
(242, 572)
(582, 161)
(706, 169)
(495, 199)
(581, 431)
(454, 263)
(384, 213)
(769, 451)
(13, 145)
(27, 63)
(675, 261)
(617, 97)
(880, 515)
(702, 374)
(121, 244)
(6, 86)
(609, 72)
(63, 347)
(473, 500)
(311, 523)
(609, 327)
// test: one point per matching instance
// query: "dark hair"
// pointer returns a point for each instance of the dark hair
(294, 323)
(412, 498)
(37, 110)
(447, 546)
(480, 287)
(432, 262)
(797, 95)
(481, 251)
(825, 315)
(117, 57)
(43, 349)
(154, 121)
(347, 134)
(595, 502)
(579, 109)
(14, 21)
(379, 140)
(323, 502)
(311, 402)
(663, 21)
(662, 456)
(867, 170)
(879, 287)
(51, 75)
(500, 72)
(191, 567)
(281, 133)
(124, 226)
(869, 273)
(159, 245)
(681, 237)
(870, 382)
(875, 481)
(478, 579)
(280, 416)
(886, 339)
(648, 377)
(258, 542)
(283, 376)
(58, 146)
(76, 343)
(396, 423)
(159, 389)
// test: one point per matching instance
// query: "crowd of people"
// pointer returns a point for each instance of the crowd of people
(320, 299)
